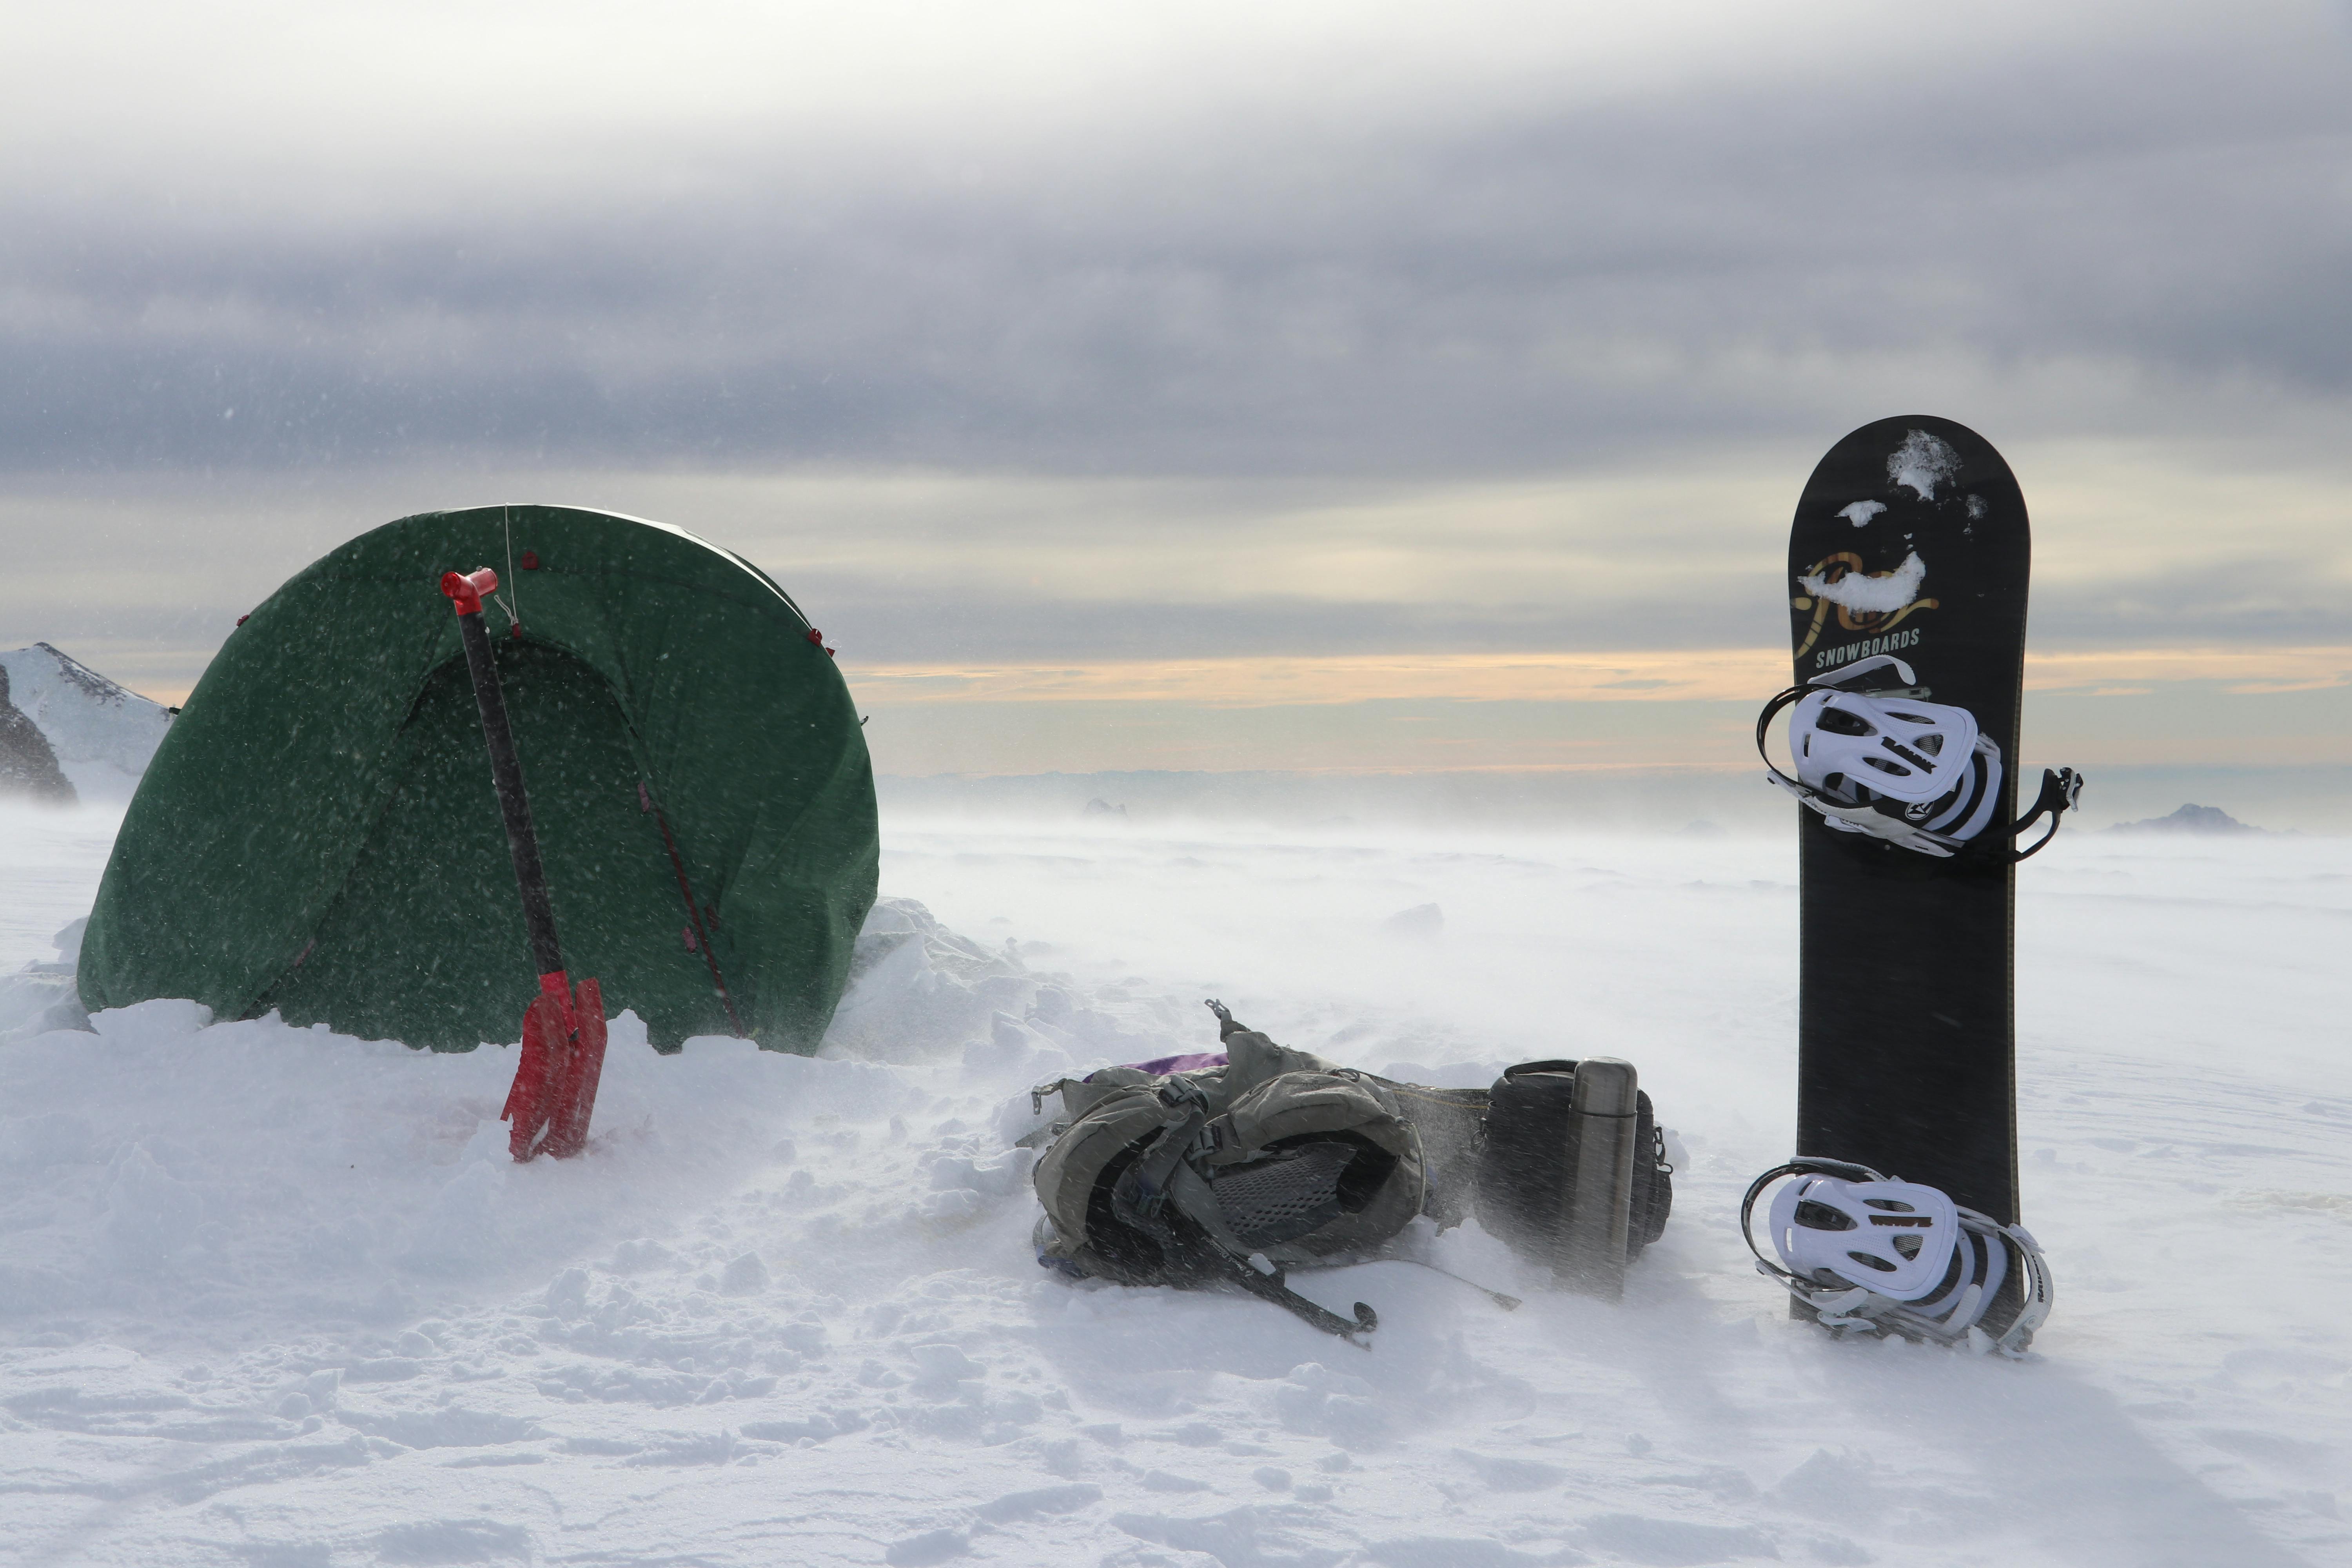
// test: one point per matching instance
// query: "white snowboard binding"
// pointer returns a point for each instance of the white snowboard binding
(1884, 760)
(1873, 1255)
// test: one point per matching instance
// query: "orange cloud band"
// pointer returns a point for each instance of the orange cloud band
(1713, 675)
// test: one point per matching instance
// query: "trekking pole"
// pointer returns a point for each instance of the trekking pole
(554, 1091)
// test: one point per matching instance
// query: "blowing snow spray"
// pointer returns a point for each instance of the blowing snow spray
(554, 1091)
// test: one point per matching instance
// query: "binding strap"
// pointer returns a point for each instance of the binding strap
(2062, 788)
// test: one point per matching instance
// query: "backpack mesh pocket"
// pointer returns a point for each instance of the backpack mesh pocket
(1269, 1202)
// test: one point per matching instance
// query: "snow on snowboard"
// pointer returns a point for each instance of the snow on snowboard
(1907, 573)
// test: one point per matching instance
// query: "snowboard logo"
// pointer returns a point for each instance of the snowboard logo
(1870, 604)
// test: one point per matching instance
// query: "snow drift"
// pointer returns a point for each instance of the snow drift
(273, 1295)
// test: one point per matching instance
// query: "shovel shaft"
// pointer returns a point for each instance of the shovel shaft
(562, 1055)
(505, 768)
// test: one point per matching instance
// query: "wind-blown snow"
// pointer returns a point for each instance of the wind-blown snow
(1862, 511)
(272, 1296)
(43, 995)
(1875, 594)
(1922, 462)
(104, 734)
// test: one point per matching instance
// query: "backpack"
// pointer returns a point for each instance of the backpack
(1231, 1175)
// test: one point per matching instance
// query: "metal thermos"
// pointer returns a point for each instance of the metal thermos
(1599, 1200)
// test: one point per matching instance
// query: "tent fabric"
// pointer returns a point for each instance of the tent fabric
(319, 834)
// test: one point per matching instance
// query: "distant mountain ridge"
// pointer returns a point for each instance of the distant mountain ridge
(2199, 819)
(98, 736)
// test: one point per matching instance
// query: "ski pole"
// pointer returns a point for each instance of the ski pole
(554, 1091)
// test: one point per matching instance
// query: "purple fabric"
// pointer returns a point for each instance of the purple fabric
(1163, 1065)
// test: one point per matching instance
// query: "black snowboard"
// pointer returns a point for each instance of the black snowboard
(1904, 1016)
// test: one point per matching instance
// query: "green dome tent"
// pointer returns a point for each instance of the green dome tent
(319, 834)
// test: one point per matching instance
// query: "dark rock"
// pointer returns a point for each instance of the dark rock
(28, 766)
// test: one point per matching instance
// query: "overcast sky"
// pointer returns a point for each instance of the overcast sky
(1018, 334)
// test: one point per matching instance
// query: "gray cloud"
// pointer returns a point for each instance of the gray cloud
(2119, 236)
(1341, 350)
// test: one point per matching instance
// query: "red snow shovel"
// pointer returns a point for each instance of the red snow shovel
(554, 1091)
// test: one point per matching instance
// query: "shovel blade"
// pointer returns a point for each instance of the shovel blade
(572, 1099)
(554, 1091)
(546, 1052)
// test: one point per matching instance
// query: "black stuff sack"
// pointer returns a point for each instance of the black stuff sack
(1527, 1164)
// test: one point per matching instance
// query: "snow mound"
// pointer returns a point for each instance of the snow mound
(247, 1170)
(920, 992)
(42, 996)
(103, 735)
(241, 1168)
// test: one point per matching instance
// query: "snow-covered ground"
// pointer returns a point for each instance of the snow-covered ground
(271, 1297)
